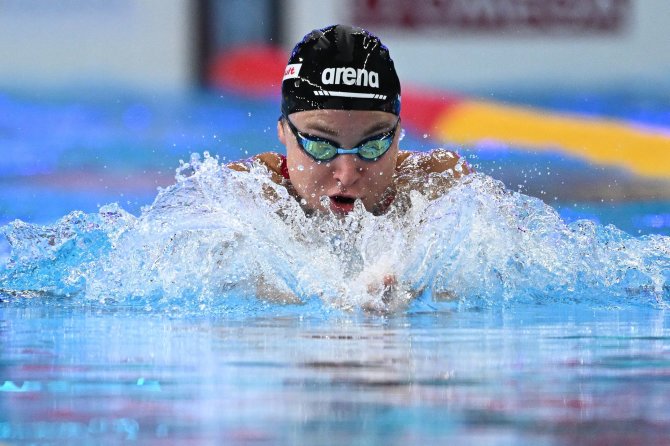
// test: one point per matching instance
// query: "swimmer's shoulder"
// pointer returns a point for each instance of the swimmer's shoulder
(273, 161)
(434, 161)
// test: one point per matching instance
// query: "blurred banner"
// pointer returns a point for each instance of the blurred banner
(493, 16)
(459, 45)
(474, 46)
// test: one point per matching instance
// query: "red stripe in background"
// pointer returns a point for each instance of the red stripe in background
(422, 108)
(257, 71)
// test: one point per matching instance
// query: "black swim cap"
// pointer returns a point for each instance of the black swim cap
(340, 67)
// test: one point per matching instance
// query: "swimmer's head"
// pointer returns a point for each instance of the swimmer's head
(340, 68)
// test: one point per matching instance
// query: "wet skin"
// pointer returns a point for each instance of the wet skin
(346, 177)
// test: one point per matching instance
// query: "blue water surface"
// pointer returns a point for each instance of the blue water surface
(524, 375)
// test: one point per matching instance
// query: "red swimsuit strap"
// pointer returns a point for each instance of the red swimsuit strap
(283, 169)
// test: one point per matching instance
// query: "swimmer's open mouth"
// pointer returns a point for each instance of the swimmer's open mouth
(341, 199)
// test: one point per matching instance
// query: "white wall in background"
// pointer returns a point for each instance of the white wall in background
(149, 44)
(476, 61)
(126, 43)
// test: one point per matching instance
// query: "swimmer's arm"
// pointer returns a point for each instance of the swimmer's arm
(442, 160)
(435, 161)
(430, 173)
(271, 160)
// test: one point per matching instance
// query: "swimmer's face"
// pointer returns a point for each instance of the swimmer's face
(346, 177)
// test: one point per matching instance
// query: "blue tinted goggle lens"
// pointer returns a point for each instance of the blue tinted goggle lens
(322, 149)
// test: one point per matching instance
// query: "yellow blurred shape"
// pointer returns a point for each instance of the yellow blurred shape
(644, 151)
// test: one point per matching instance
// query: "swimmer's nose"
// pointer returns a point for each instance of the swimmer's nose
(347, 170)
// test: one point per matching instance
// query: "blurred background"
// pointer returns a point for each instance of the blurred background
(566, 100)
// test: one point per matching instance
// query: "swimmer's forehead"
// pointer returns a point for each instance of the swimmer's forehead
(337, 122)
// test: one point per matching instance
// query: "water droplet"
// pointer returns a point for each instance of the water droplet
(301, 167)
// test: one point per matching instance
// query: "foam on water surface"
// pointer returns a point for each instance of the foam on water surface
(220, 239)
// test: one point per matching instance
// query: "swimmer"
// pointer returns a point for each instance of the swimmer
(340, 124)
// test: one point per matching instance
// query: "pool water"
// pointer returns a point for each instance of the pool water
(142, 321)
(527, 375)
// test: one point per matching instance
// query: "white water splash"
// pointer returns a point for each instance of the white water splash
(219, 235)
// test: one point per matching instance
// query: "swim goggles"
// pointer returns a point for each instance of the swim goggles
(323, 149)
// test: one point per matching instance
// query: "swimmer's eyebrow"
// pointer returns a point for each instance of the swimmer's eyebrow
(321, 128)
(374, 129)
(378, 127)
